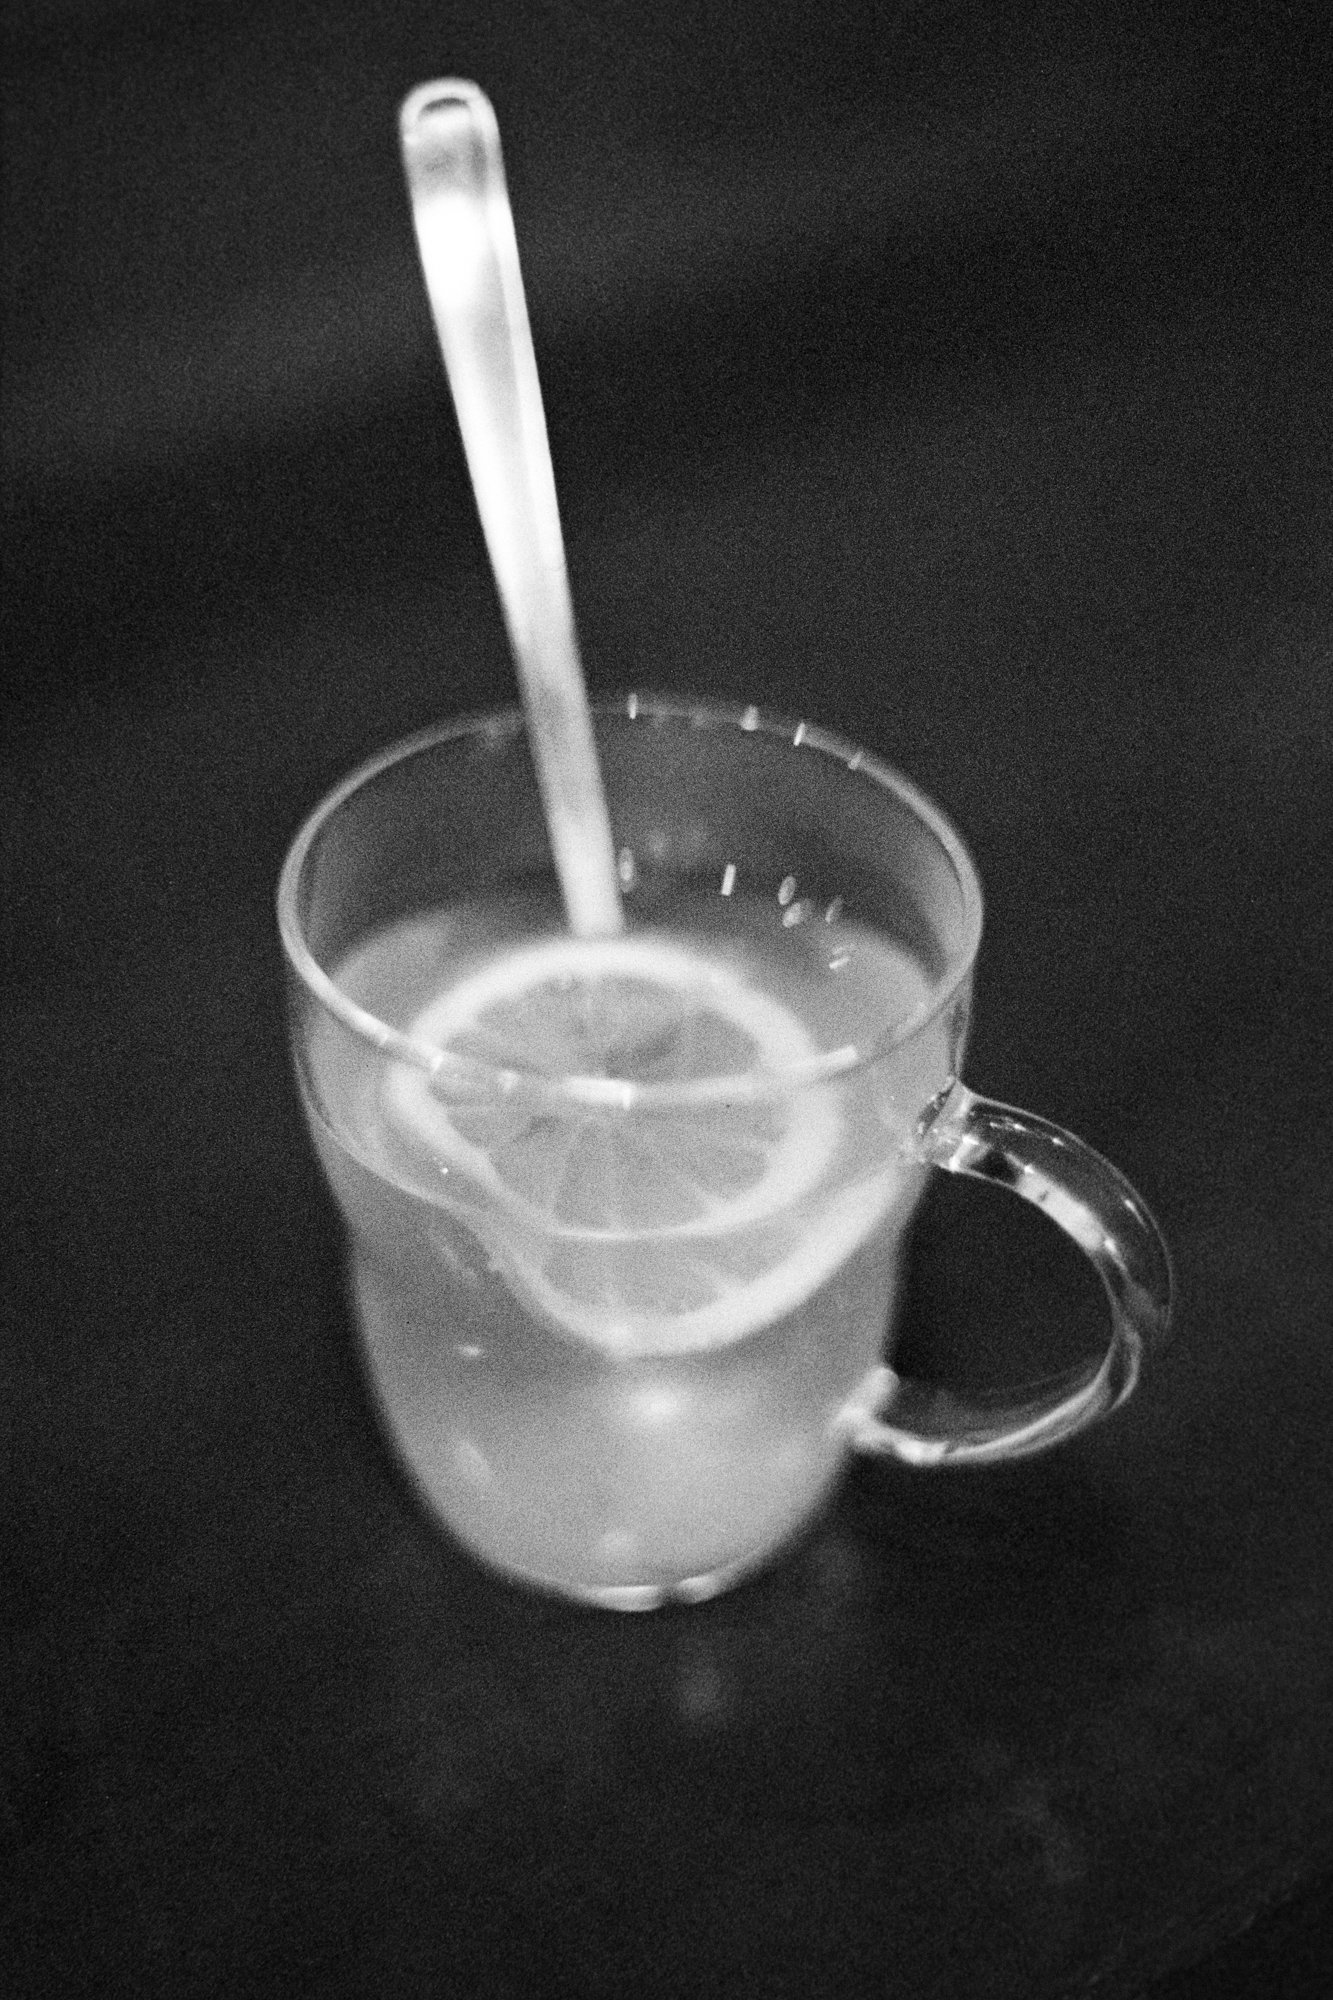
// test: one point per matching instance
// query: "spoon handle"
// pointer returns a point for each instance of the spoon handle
(469, 255)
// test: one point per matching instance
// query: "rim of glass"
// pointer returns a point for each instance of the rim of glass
(458, 1077)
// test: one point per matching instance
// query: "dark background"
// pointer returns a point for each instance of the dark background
(957, 375)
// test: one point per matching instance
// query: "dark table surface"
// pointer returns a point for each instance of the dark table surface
(973, 399)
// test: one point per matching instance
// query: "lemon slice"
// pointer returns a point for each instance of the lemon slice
(638, 1227)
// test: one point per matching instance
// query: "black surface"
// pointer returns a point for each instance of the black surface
(996, 433)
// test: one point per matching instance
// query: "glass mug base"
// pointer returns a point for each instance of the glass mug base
(685, 1590)
(624, 1482)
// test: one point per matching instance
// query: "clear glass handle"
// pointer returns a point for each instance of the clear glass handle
(1096, 1206)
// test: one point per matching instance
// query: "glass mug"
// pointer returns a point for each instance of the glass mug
(624, 1319)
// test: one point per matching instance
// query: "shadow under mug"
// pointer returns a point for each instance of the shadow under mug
(622, 1453)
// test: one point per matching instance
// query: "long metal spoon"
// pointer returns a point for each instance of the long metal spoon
(465, 233)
